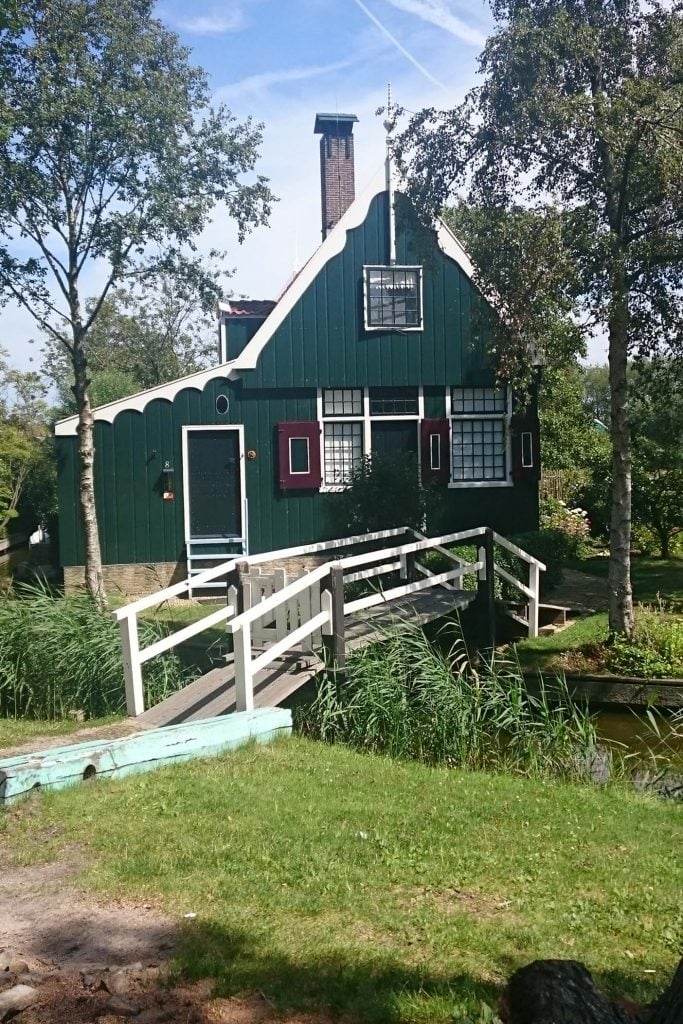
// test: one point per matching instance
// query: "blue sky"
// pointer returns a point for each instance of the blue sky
(281, 61)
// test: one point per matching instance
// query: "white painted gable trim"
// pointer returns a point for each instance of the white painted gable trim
(137, 403)
(248, 358)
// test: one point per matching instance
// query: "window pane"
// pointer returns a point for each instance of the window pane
(478, 450)
(393, 402)
(299, 459)
(343, 449)
(343, 402)
(393, 297)
(470, 401)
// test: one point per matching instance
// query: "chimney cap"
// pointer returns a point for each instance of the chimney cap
(340, 122)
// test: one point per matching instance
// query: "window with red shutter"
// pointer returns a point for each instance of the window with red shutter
(299, 456)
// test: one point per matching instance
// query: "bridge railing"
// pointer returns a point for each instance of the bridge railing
(315, 601)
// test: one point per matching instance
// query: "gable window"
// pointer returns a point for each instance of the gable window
(393, 298)
(479, 435)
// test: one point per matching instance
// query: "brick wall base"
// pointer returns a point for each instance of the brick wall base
(131, 580)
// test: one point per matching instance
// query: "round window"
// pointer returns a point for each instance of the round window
(222, 405)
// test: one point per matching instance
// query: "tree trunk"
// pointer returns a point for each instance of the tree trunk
(94, 579)
(620, 592)
(562, 992)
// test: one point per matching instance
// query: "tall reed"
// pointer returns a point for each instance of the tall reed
(407, 698)
(62, 656)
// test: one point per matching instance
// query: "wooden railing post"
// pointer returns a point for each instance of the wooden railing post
(244, 682)
(132, 669)
(535, 588)
(332, 602)
(486, 592)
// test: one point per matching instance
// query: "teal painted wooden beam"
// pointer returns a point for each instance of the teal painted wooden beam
(141, 752)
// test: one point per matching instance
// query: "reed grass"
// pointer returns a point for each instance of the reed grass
(61, 656)
(409, 699)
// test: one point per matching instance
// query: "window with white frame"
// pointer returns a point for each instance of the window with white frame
(343, 434)
(479, 421)
(348, 414)
(393, 298)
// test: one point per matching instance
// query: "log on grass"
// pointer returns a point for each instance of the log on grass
(563, 992)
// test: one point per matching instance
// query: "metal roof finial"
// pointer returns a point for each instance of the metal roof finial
(388, 122)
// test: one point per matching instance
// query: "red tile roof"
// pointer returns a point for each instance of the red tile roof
(248, 307)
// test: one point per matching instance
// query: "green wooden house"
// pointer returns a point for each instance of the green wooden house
(375, 345)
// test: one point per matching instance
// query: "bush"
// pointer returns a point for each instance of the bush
(408, 699)
(573, 522)
(60, 656)
(385, 492)
(654, 651)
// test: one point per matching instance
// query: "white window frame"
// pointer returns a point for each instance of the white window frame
(396, 328)
(435, 468)
(505, 416)
(527, 463)
(366, 420)
(300, 472)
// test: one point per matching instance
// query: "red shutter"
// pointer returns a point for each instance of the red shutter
(435, 451)
(526, 447)
(295, 477)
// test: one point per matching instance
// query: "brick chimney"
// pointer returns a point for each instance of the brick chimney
(337, 178)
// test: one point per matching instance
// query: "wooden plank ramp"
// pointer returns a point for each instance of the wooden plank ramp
(214, 693)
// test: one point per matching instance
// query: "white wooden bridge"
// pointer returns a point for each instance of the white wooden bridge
(285, 630)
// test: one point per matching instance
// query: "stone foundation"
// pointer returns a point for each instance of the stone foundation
(131, 580)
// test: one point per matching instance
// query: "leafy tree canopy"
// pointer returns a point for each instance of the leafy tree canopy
(111, 163)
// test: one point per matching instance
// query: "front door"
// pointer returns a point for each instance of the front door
(214, 484)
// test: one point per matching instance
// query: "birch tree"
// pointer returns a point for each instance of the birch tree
(579, 122)
(111, 163)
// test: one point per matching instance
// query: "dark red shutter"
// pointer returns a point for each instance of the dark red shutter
(291, 481)
(526, 447)
(432, 429)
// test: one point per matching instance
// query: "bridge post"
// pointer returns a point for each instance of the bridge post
(486, 594)
(332, 601)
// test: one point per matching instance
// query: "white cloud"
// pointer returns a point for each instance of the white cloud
(216, 24)
(437, 12)
(260, 83)
(399, 46)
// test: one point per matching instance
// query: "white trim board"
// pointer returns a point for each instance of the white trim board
(249, 356)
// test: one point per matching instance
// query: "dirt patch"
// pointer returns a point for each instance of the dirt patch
(581, 591)
(47, 920)
(458, 901)
(115, 731)
(94, 962)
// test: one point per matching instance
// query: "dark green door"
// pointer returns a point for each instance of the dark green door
(214, 483)
(394, 437)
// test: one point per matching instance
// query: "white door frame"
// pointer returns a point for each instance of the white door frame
(244, 523)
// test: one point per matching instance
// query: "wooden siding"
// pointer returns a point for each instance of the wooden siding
(323, 343)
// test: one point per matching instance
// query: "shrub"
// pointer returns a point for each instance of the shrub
(59, 656)
(654, 651)
(385, 492)
(574, 523)
(407, 698)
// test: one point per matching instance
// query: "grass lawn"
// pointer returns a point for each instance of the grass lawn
(330, 880)
(652, 578)
(14, 731)
(576, 648)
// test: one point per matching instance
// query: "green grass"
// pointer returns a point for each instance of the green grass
(652, 578)
(14, 731)
(379, 890)
(545, 652)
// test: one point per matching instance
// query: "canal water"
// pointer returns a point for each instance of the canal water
(633, 730)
